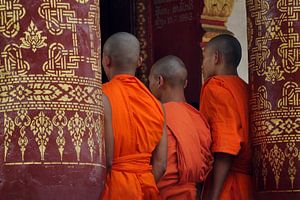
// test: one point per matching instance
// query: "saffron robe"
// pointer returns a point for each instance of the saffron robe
(189, 156)
(137, 119)
(224, 102)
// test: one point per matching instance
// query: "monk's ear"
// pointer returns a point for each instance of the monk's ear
(217, 57)
(106, 61)
(140, 61)
(185, 84)
(161, 81)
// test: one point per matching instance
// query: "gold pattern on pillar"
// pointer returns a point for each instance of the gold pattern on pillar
(274, 49)
(214, 17)
(45, 100)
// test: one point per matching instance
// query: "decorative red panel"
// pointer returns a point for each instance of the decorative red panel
(51, 115)
(274, 48)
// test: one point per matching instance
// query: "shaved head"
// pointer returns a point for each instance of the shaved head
(172, 69)
(123, 49)
(229, 47)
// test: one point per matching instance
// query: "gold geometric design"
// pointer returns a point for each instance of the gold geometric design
(82, 1)
(290, 96)
(259, 101)
(22, 121)
(29, 92)
(90, 124)
(11, 12)
(58, 64)
(273, 72)
(60, 121)
(141, 33)
(41, 127)
(249, 31)
(273, 29)
(99, 133)
(291, 152)
(54, 93)
(33, 38)
(264, 156)
(13, 61)
(76, 128)
(60, 17)
(9, 128)
(279, 126)
(276, 159)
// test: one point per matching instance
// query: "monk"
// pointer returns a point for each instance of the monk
(137, 150)
(224, 103)
(189, 140)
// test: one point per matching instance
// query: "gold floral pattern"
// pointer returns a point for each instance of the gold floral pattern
(33, 38)
(76, 128)
(291, 152)
(60, 121)
(276, 159)
(22, 121)
(273, 72)
(42, 127)
(90, 124)
(9, 128)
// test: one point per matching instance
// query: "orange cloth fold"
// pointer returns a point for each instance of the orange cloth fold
(137, 119)
(224, 103)
(189, 156)
(135, 163)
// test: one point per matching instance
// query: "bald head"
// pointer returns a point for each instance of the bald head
(123, 49)
(172, 69)
(229, 47)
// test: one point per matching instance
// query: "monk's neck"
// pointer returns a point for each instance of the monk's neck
(121, 72)
(173, 96)
(226, 71)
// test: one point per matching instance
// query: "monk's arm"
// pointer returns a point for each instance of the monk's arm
(222, 164)
(160, 155)
(108, 133)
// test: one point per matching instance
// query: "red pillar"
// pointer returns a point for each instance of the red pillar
(51, 115)
(274, 49)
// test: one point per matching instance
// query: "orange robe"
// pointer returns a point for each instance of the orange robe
(224, 102)
(189, 156)
(137, 119)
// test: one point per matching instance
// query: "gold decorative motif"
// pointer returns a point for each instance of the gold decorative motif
(58, 64)
(264, 157)
(22, 121)
(33, 38)
(11, 12)
(9, 128)
(41, 127)
(14, 63)
(290, 96)
(38, 97)
(273, 72)
(259, 101)
(60, 121)
(291, 152)
(215, 10)
(273, 28)
(276, 159)
(82, 1)
(76, 127)
(141, 33)
(90, 124)
(99, 134)
(218, 8)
